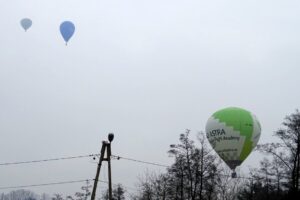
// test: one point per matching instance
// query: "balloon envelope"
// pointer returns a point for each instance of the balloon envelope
(26, 23)
(233, 133)
(67, 30)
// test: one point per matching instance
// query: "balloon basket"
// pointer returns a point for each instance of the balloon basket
(233, 175)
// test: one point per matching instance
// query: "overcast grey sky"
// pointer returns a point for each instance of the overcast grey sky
(145, 70)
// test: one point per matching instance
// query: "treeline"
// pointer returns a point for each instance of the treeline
(198, 174)
(23, 195)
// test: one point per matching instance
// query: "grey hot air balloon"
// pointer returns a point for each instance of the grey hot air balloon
(26, 23)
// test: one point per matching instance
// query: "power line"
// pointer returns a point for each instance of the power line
(140, 161)
(59, 183)
(47, 160)
(90, 155)
(161, 165)
(48, 184)
(44, 184)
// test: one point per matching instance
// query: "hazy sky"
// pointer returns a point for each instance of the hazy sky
(145, 70)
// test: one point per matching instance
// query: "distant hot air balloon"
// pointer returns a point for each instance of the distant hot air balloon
(26, 23)
(233, 133)
(67, 30)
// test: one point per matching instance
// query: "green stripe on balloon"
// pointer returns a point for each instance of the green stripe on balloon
(247, 148)
(239, 119)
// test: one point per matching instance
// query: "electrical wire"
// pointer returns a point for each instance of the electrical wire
(43, 184)
(48, 184)
(118, 157)
(47, 160)
(140, 161)
(161, 165)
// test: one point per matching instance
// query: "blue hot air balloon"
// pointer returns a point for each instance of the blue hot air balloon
(26, 23)
(67, 30)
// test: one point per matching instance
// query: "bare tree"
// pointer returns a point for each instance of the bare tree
(287, 152)
(118, 193)
(194, 170)
(85, 192)
(192, 176)
(20, 195)
(227, 187)
(57, 197)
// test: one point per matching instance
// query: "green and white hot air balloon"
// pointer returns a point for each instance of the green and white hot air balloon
(233, 133)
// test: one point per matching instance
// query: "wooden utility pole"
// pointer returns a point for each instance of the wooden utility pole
(106, 146)
(109, 171)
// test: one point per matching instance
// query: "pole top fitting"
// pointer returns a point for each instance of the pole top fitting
(110, 137)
